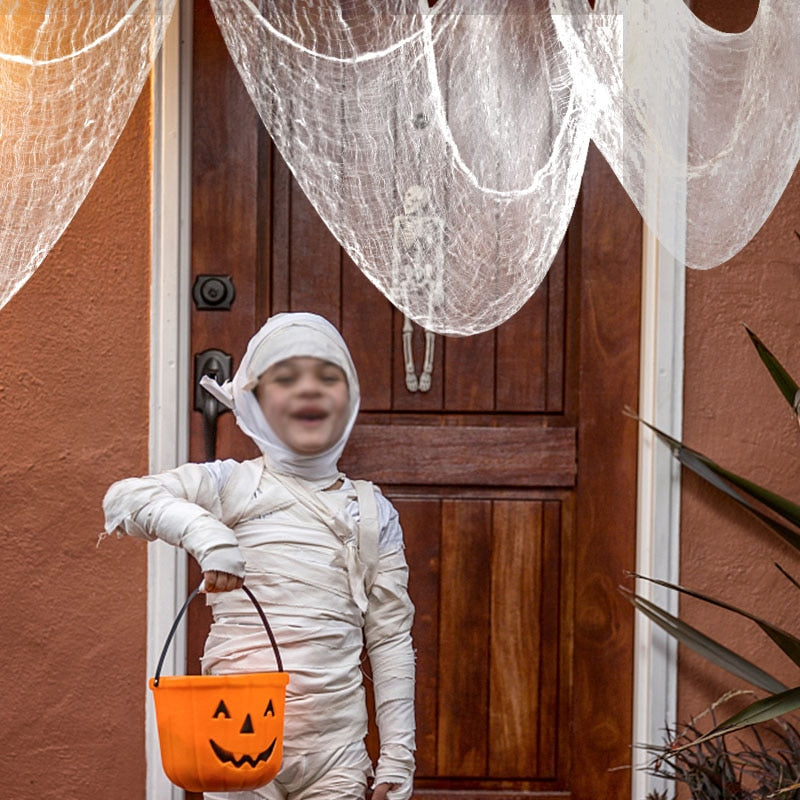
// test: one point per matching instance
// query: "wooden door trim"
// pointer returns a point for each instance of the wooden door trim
(610, 258)
(508, 456)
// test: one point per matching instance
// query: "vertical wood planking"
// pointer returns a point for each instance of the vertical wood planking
(556, 333)
(469, 372)
(463, 703)
(422, 522)
(367, 329)
(521, 356)
(280, 244)
(225, 195)
(515, 639)
(223, 210)
(551, 635)
(263, 290)
(403, 400)
(315, 262)
(606, 492)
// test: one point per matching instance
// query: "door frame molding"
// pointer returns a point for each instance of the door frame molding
(658, 494)
(658, 473)
(170, 366)
(660, 402)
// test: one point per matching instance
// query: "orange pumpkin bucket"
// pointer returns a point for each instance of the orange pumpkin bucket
(220, 732)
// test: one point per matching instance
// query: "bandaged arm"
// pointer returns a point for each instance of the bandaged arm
(182, 507)
(387, 631)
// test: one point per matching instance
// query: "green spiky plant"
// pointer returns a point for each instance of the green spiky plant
(718, 769)
(693, 758)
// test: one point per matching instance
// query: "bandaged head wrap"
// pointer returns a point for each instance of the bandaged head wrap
(287, 336)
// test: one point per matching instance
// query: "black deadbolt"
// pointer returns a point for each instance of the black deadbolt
(213, 292)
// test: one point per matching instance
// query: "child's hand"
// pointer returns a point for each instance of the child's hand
(221, 581)
(381, 790)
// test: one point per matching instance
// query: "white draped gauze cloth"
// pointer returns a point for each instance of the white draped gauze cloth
(443, 147)
(445, 151)
(70, 73)
(697, 124)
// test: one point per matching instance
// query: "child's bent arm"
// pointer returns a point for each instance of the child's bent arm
(181, 507)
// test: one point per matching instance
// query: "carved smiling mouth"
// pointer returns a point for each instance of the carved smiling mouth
(226, 757)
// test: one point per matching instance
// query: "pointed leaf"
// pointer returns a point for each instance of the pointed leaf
(721, 478)
(755, 714)
(787, 642)
(783, 380)
(764, 710)
(787, 509)
(704, 645)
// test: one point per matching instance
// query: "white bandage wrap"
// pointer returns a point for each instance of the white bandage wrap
(315, 567)
(181, 507)
(387, 630)
(287, 336)
(303, 572)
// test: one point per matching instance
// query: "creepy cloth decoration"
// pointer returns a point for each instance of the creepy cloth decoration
(285, 336)
(485, 107)
(488, 106)
(70, 74)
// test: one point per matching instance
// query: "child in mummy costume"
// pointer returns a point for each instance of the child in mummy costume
(299, 532)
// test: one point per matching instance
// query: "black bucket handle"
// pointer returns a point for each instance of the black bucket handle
(189, 599)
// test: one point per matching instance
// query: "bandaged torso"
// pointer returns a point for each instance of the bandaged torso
(305, 568)
(297, 568)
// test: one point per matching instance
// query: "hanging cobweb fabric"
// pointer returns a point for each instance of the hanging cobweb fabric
(444, 147)
(70, 73)
(443, 150)
(701, 127)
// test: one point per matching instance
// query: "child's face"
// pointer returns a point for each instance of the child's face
(305, 401)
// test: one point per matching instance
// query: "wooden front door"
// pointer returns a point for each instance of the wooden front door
(514, 475)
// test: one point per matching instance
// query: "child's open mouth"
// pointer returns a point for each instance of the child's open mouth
(310, 415)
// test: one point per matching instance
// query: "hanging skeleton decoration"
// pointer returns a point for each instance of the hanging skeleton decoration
(418, 258)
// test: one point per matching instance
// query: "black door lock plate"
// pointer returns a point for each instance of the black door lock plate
(213, 292)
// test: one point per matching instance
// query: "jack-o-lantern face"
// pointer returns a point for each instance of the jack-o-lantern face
(221, 732)
(251, 756)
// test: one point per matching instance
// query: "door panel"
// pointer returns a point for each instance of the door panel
(513, 475)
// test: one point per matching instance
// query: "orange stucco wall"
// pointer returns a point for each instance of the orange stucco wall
(73, 416)
(734, 414)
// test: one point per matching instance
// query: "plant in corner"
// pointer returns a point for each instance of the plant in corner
(716, 764)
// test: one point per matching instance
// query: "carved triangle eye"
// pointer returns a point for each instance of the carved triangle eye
(270, 712)
(222, 710)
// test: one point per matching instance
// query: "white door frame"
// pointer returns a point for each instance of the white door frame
(655, 674)
(170, 366)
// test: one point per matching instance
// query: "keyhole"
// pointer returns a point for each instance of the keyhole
(247, 726)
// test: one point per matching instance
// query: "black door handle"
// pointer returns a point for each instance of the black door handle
(219, 366)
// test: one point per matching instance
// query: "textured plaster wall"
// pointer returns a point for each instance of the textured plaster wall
(734, 414)
(73, 416)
